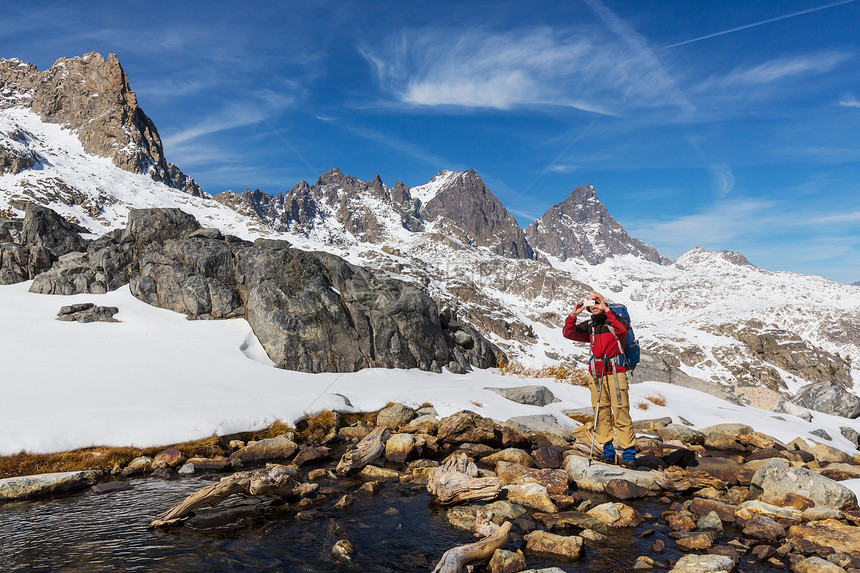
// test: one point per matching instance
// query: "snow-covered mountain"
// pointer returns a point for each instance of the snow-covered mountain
(710, 319)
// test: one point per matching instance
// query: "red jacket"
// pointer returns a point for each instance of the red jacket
(603, 343)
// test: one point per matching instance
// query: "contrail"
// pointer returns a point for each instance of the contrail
(753, 25)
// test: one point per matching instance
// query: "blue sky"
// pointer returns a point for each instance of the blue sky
(721, 124)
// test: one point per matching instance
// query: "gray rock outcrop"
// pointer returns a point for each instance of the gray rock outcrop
(774, 480)
(87, 312)
(829, 398)
(530, 395)
(580, 227)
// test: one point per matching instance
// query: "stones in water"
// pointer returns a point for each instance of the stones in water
(27, 487)
(552, 545)
(692, 563)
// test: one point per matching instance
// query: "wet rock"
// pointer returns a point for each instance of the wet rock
(532, 495)
(170, 458)
(623, 489)
(165, 473)
(704, 564)
(310, 454)
(225, 516)
(111, 487)
(530, 395)
(372, 472)
(395, 415)
(830, 533)
(343, 551)
(762, 552)
(597, 475)
(504, 561)
(420, 469)
(403, 447)
(725, 511)
(698, 542)
(680, 522)
(724, 469)
(645, 563)
(524, 524)
(726, 551)
(278, 448)
(555, 481)
(763, 528)
(137, 466)
(816, 564)
(773, 481)
(465, 426)
(551, 545)
(659, 546)
(547, 457)
(27, 487)
(511, 455)
(710, 522)
(616, 515)
(371, 487)
(593, 536)
(829, 398)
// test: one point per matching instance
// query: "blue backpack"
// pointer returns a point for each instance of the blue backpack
(631, 345)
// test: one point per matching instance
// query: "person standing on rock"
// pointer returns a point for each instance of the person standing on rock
(609, 396)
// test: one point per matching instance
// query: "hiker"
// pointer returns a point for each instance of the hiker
(608, 384)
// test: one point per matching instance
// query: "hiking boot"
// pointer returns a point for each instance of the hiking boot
(628, 459)
(627, 465)
(597, 457)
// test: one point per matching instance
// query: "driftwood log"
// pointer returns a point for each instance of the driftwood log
(274, 479)
(367, 450)
(454, 560)
(457, 481)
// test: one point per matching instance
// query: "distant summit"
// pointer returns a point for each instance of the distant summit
(92, 96)
(580, 227)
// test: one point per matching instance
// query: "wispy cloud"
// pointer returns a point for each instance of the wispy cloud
(774, 70)
(723, 179)
(848, 100)
(480, 68)
(230, 118)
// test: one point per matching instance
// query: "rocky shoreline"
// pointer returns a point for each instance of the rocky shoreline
(724, 498)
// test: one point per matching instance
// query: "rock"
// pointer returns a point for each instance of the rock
(20, 263)
(552, 545)
(679, 432)
(532, 495)
(795, 410)
(27, 487)
(828, 533)
(530, 395)
(763, 552)
(371, 472)
(774, 480)
(796, 501)
(424, 424)
(511, 455)
(616, 515)
(45, 228)
(725, 511)
(591, 535)
(851, 435)
(704, 564)
(546, 423)
(763, 528)
(597, 475)
(659, 546)
(403, 447)
(651, 425)
(724, 469)
(555, 481)
(278, 448)
(465, 426)
(680, 522)
(726, 551)
(623, 489)
(827, 454)
(311, 453)
(772, 511)
(110, 487)
(820, 514)
(504, 561)
(699, 541)
(137, 466)
(710, 522)
(645, 563)
(342, 551)
(420, 469)
(821, 434)
(87, 312)
(547, 457)
(509, 473)
(724, 443)
(816, 564)
(829, 398)
(726, 430)
(170, 458)
(394, 416)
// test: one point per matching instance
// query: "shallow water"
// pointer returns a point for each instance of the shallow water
(396, 530)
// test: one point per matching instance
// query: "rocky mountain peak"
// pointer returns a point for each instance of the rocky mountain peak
(581, 227)
(699, 256)
(92, 95)
(461, 205)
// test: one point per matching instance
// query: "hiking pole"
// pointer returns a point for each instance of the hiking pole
(594, 424)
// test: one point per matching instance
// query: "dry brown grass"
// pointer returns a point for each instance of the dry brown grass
(656, 399)
(478, 404)
(559, 373)
(314, 428)
(643, 405)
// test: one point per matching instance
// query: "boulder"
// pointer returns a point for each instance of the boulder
(395, 415)
(555, 481)
(509, 472)
(137, 466)
(504, 561)
(704, 564)
(87, 312)
(725, 511)
(595, 476)
(616, 515)
(696, 542)
(548, 457)
(795, 410)
(27, 487)
(763, 528)
(465, 426)
(278, 448)
(147, 226)
(403, 447)
(828, 533)
(755, 507)
(530, 395)
(774, 480)
(373, 473)
(511, 455)
(623, 489)
(682, 433)
(171, 457)
(826, 454)
(816, 564)
(43, 227)
(829, 398)
(730, 429)
(851, 435)
(710, 522)
(551, 545)
(19, 263)
(531, 495)
(540, 423)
